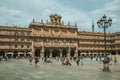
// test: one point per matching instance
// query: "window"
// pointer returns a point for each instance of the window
(16, 33)
(28, 33)
(15, 46)
(22, 39)
(28, 46)
(16, 39)
(22, 46)
(22, 33)
(9, 45)
(28, 39)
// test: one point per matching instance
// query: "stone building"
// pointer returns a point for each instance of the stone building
(53, 38)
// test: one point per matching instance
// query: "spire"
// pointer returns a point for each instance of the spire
(75, 24)
(41, 20)
(93, 26)
(33, 20)
(62, 22)
(47, 21)
(68, 23)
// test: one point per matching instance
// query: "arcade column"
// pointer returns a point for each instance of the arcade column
(12, 55)
(42, 51)
(76, 50)
(117, 52)
(33, 49)
(25, 54)
(69, 49)
(60, 52)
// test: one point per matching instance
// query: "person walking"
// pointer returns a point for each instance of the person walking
(115, 60)
(36, 60)
(111, 61)
(6, 58)
(91, 58)
(30, 59)
(45, 60)
(63, 60)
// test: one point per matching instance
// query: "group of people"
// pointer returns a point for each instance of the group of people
(79, 61)
(36, 59)
(113, 61)
(100, 58)
(67, 61)
(64, 60)
(4, 58)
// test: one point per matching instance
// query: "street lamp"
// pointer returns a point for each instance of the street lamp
(104, 23)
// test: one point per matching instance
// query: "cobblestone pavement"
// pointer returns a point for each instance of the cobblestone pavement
(91, 70)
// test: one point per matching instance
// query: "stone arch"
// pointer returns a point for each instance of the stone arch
(64, 53)
(58, 53)
(113, 53)
(47, 53)
(2, 53)
(79, 53)
(72, 52)
(28, 53)
(55, 53)
(37, 52)
(119, 52)
(15, 54)
(83, 55)
(21, 54)
(9, 54)
(87, 55)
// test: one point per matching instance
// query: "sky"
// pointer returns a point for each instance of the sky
(83, 12)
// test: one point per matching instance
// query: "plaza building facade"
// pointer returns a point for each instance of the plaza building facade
(53, 38)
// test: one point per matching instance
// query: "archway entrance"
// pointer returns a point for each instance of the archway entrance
(21, 54)
(9, 55)
(47, 53)
(113, 53)
(2, 53)
(83, 55)
(56, 53)
(28, 53)
(118, 52)
(87, 55)
(64, 53)
(72, 52)
(37, 52)
(91, 55)
(79, 53)
(95, 55)
(15, 54)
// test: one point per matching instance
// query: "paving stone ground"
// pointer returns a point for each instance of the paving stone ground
(91, 70)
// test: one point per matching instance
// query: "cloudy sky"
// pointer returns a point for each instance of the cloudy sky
(21, 12)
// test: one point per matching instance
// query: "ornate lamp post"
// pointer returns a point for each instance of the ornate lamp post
(104, 23)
